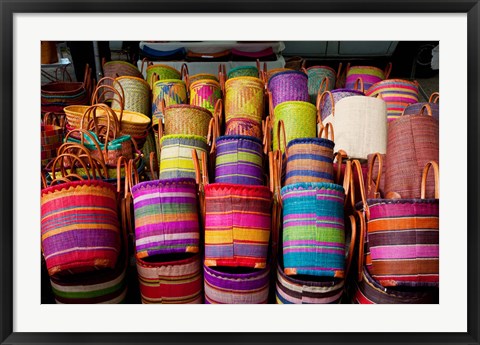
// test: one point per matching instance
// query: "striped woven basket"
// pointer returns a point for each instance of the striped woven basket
(288, 86)
(170, 91)
(397, 93)
(205, 93)
(244, 98)
(176, 281)
(79, 225)
(313, 229)
(239, 160)
(166, 217)
(114, 69)
(272, 72)
(300, 119)
(305, 290)
(184, 119)
(402, 237)
(368, 74)
(413, 141)
(247, 127)
(51, 136)
(418, 108)
(136, 95)
(200, 76)
(237, 225)
(176, 155)
(161, 72)
(243, 71)
(236, 286)
(320, 79)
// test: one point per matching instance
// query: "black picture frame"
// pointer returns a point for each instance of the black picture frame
(10, 7)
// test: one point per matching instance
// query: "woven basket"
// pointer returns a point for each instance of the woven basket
(239, 160)
(376, 175)
(237, 225)
(360, 126)
(161, 72)
(184, 119)
(239, 126)
(200, 76)
(170, 91)
(176, 155)
(51, 136)
(80, 229)
(320, 79)
(417, 108)
(229, 286)
(272, 72)
(313, 229)
(205, 93)
(166, 217)
(243, 71)
(136, 95)
(244, 98)
(305, 290)
(328, 99)
(176, 281)
(288, 86)
(368, 74)
(114, 69)
(397, 93)
(300, 119)
(413, 141)
(57, 95)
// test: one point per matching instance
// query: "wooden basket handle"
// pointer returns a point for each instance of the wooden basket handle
(361, 247)
(73, 159)
(356, 166)
(51, 119)
(278, 164)
(213, 134)
(184, 74)
(133, 178)
(351, 248)
(218, 111)
(339, 71)
(147, 62)
(434, 98)
(388, 70)
(376, 156)
(267, 133)
(319, 103)
(153, 163)
(358, 82)
(327, 129)
(423, 187)
(92, 110)
(428, 108)
(340, 155)
(282, 132)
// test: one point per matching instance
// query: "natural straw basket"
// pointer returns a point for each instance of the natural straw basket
(244, 98)
(136, 95)
(247, 127)
(184, 119)
(205, 93)
(170, 91)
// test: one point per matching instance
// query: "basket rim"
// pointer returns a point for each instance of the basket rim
(239, 68)
(234, 186)
(246, 78)
(322, 67)
(307, 104)
(163, 66)
(123, 77)
(183, 136)
(237, 276)
(121, 62)
(189, 106)
(72, 109)
(239, 137)
(166, 81)
(335, 283)
(205, 81)
(328, 142)
(286, 72)
(157, 264)
(311, 186)
(75, 184)
(164, 182)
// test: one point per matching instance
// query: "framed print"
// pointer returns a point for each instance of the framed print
(334, 29)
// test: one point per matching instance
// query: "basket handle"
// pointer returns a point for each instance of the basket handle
(434, 98)
(213, 134)
(361, 246)
(121, 94)
(218, 111)
(122, 161)
(339, 70)
(92, 111)
(267, 140)
(423, 187)
(51, 119)
(340, 155)
(388, 70)
(145, 60)
(133, 177)
(347, 69)
(327, 129)
(83, 152)
(184, 74)
(428, 108)
(320, 101)
(153, 163)
(325, 84)
(351, 248)
(278, 158)
(73, 158)
(376, 156)
(357, 166)
(271, 110)
(222, 75)
(347, 181)
(358, 82)
(281, 132)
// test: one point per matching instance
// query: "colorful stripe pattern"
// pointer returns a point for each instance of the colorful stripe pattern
(205, 93)
(51, 138)
(176, 155)
(290, 290)
(309, 160)
(171, 91)
(313, 229)
(368, 291)
(236, 287)
(369, 74)
(244, 98)
(397, 93)
(163, 72)
(403, 240)
(166, 217)
(237, 225)
(79, 226)
(316, 74)
(173, 282)
(288, 86)
(239, 160)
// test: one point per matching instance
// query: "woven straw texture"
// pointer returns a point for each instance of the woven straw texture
(313, 229)
(187, 120)
(237, 225)
(173, 282)
(397, 93)
(51, 137)
(205, 93)
(243, 71)
(163, 72)
(295, 290)
(237, 287)
(300, 119)
(412, 142)
(176, 155)
(360, 126)
(79, 226)
(368, 291)
(57, 95)
(338, 94)
(195, 77)
(309, 160)
(239, 126)
(137, 95)
(288, 86)
(171, 91)
(316, 74)
(416, 108)
(244, 99)
(114, 69)
(274, 71)
(239, 160)
(166, 217)
(369, 74)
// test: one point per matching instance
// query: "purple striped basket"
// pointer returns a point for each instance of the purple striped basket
(239, 160)
(329, 99)
(288, 86)
(416, 108)
(227, 286)
(166, 217)
(369, 74)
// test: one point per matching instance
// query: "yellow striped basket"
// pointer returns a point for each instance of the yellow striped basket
(244, 98)
(205, 93)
